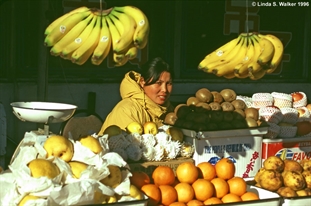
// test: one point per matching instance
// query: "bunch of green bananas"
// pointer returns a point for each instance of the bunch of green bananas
(249, 55)
(85, 33)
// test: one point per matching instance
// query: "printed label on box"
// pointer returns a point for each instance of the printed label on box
(296, 149)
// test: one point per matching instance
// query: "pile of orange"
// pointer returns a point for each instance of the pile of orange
(204, 184)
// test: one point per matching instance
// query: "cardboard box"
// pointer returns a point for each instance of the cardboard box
(296, 148)
(243, 146)
(149, 167)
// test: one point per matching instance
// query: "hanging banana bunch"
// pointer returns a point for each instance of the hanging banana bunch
(85, 33)
(250, 55)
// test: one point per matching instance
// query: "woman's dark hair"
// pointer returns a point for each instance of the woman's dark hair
(152, 70)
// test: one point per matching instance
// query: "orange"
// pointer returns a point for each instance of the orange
(187, 172)
(195, 202)
(221, 187)
(163, 175)
(139, 179)
(203, 189)
(178, 204)
(212, 201)
(231, 198)
(237, 185)
(185, 192)
(225, 169)
(168, 194)
(249, 196)
(206, 170)
(153, 193)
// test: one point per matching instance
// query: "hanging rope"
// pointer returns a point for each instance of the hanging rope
(247, 29)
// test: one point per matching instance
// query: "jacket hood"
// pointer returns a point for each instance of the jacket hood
(130, 88)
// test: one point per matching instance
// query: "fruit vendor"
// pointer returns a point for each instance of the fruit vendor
(145, 96)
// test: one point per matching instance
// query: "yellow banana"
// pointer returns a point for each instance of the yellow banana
(267, 51)
(254, 66)
(132, 52)
(235, 56)
(126, 26)
(114, 33)
(104, 44)
(64, 27)
(70, 36)
(258, 75)
(120, 59)
(77, 42)
(56, 22)
(230, 75)
(217, 55)
(142, 30)
(81, 55)
(278, 51)
(241, 69)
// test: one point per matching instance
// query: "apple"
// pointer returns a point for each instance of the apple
(114, 178)
(59, 146)
(112, 130)
(303, 128)
(135, 127)
(150, 128)
(308, 106)
(297, 96)
(176, 134)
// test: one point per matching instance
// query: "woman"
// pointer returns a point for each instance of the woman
(145, 96)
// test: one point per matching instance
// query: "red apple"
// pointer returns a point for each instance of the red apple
(296, 96)
(303, 128)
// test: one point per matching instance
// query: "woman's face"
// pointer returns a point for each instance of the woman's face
(160, 91)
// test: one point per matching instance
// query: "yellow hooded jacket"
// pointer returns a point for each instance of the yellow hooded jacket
(135, 106)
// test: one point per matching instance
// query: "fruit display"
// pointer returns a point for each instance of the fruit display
(250, 55)
(287, 114)
(148, 142)
(61, 171)
(286, 177)
(85, 33)
(213, 110)
(204, 184)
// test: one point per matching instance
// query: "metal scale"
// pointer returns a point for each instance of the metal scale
(41, 112)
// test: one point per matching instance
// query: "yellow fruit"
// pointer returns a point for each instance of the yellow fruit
(112, 130)
(92, 143)
(150, 128)
(59, 146)
(176, 134)
(136, 193)
(26, 198)
(135, 127)
(114, 178)
(43, 168)
(100, 198)
(77, 168)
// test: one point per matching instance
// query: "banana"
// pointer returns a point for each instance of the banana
(142, 30)
(230, 75)
(235, 56)
(126, 26)
(278, 51)
(267, 51)
(216, 56)
(132, 52)
(114, 33)
(254, 66)
(81, 55)
(70, 36)
(258, 75)
(56, 22)
(77, 42)
(63, 27)
(241, 69)
(120, 59)
(102, 49)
